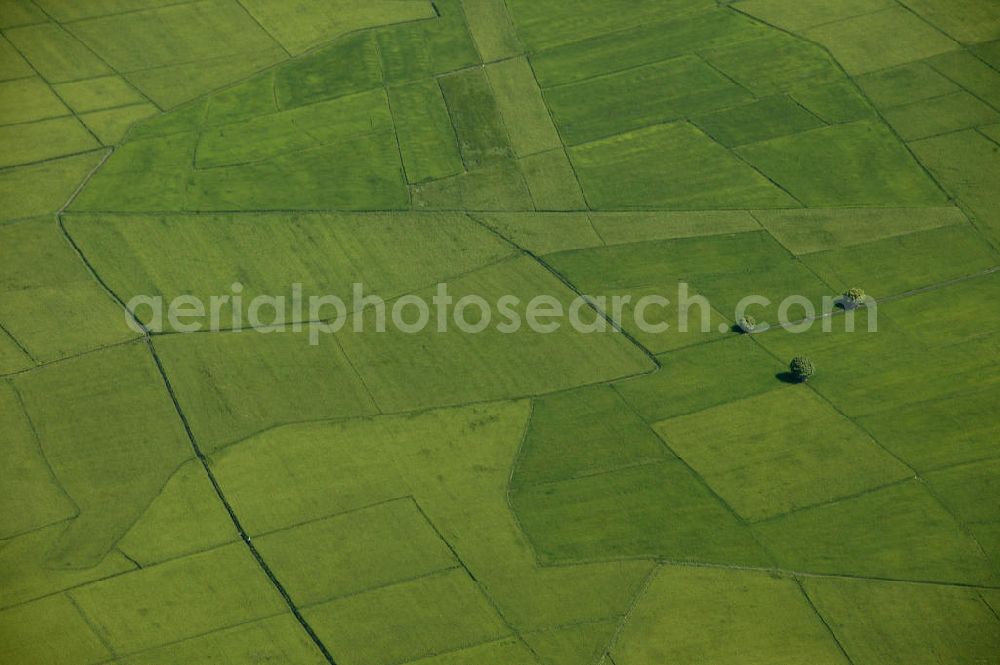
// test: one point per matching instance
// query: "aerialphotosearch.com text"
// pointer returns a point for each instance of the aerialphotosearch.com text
(319, 315)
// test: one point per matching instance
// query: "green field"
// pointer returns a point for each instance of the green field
(326, 489)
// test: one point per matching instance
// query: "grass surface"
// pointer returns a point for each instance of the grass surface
(620, 498)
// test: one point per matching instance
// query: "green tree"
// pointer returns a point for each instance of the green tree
(853, 298)
(801, 368)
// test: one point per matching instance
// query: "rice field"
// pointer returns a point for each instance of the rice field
(611, 496)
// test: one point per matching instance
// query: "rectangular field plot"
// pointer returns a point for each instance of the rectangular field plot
(28, 99)
(308, 23)
(49, 631)
(21, 12)
(66, 11)
(32, 191)
(764, 119)
(546, 24)
(657, 93)
(858, 45)
(269, 136)
(172, 35)
(345, 67)
(941, 432)
(326, 253)
(220, 588)
(111, 435)
(32, 497)
(510, 651)
(959, 305)
(491, 28)
(962, 489)
(673, 166)
(417, 51)
(774, 63)
(972, 73)
(796, 16)
(895, 265)
(658, 509)
(701, 377)
(753, 617)
(858, 164)
(878, 367)
(232, 385)
(765, 466)
(900, 532)
(497, 186)
(43, 140)
(426, 137)
(542, 233)
(482, 136)
(430, 615)
(56, 54)
(111, 125)
(834, 103)
(552, 182)
(581, 432)
(522, 107)
(905, 84)
(172, 85)
(966, 163)
(100, 93)
(940, 115)
(635, 227)
(244, 101)
(412, 371)
(816, 230)
(282, 477)
(26, 574)
(355, 551)
(896, 623)
(642, 45)
(279, 639)
(51, 304)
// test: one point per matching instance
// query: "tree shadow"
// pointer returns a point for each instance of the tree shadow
(787, 377)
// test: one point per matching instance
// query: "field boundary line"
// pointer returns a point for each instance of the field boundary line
(562, 140)
(86, 352)
(263, 29)
(819, 615)
(617, 327)
(206, 466)
(93, 626)
(987, 604)
(637, 596)
(48, 465)
(857, 88)
(742, 521)
(437, 572)
(475, 580)
(831, 502)
(198, 453)
(785, 572)
(916, 474)
(21, 347)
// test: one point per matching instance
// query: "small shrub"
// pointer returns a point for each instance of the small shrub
(853, 298)
(801, 368)
(747, 324)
